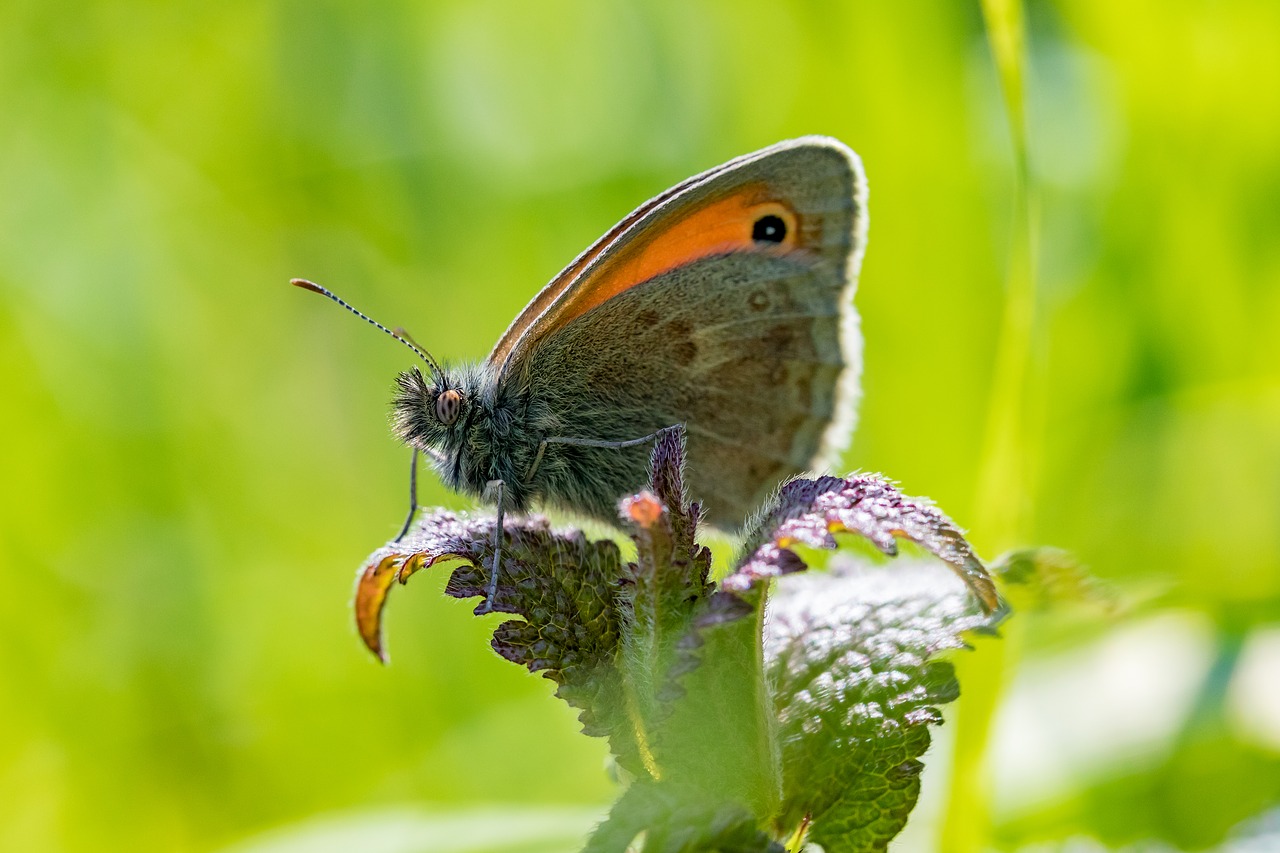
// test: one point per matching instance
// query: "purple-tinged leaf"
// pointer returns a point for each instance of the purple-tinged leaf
(811, 512)
(563, 586)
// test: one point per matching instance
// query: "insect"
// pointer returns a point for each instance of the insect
(723, 306)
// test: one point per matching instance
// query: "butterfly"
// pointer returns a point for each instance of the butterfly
(723, 307)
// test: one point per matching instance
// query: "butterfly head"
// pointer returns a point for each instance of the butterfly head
(428, 410)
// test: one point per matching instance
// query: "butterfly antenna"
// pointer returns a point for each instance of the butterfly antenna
(402, 332)
(399, 334)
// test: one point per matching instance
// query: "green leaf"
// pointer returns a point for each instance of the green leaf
(851, 656)
(1045, 578)
(719, 736)
(674, 819)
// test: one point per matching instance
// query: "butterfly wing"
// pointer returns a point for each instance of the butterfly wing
(726, 305)
(619, 234)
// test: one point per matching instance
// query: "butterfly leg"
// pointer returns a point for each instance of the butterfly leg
(413, 495)
(594, 442)
(498, 487)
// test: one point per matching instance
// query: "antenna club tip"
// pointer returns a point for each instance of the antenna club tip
(306, 285)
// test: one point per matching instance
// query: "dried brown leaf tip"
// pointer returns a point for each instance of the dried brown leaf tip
(372, 585)
(437, 536)
(811, 512)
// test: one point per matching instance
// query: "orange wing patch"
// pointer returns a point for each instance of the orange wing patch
(727, 224)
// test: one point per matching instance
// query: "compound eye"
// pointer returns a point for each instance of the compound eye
(448, 404)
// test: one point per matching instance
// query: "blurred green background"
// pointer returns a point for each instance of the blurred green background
(197, 458)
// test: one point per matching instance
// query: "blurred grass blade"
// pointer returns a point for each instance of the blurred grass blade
(1003, 481)
(1002, 502)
